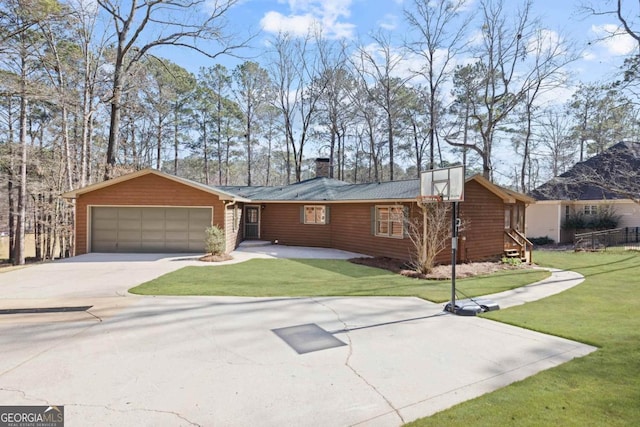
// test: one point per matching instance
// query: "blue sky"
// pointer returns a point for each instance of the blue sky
(354, 19)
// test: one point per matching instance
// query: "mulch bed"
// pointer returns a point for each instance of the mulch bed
(215, 258)
(439, 272)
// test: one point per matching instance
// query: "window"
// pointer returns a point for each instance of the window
(590, 210)
(507, 218)
(314, 215)
(252, 214)
(390, 221)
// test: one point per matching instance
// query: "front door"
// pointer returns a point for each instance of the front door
(252, 222)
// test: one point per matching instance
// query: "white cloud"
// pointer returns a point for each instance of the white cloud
(546, 42)
(299, 25)
(614, 39)
(389, 22)
(476, 38)
(326, 15)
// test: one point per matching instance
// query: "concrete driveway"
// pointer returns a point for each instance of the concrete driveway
(246, 361)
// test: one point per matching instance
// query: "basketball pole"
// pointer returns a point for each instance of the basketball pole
(454, 250)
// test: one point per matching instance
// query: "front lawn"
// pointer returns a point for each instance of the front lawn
(601, 389)
(318, 277)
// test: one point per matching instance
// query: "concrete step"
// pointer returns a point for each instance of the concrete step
(254, 243)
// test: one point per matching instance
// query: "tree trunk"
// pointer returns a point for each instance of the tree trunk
(205, 149)
(248, 140)
(175, 140)
(114, 123)
(390, 132)
(159, 142)
(219, 137)
(22, 190)
(38, 207)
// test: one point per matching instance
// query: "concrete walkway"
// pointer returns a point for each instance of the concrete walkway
(559, 281)
(131, 360)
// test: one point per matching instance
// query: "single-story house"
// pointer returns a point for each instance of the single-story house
(608, 182)
(151, 211)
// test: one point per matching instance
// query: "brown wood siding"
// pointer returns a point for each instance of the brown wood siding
(233, 235)
(281, 222)
(352, 231)
(146, 190)
(482, 212)
(350, 228)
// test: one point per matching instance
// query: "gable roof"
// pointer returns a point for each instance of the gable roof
(329, 189)
(619, 165)
(508, 196)
(312, 190)
(223, 195)
(333, 190)
(315, 189)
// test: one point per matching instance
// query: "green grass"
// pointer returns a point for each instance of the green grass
(315, 277)
(601, 389)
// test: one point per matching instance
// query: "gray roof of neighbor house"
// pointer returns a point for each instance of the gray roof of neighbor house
(612, 174)
(328, 189)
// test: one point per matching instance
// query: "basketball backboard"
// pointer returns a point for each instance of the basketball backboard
(448, 183)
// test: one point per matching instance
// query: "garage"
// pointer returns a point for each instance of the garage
(149, 229)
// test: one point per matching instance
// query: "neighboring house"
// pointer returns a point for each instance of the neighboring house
(152, 211)
(609, 182)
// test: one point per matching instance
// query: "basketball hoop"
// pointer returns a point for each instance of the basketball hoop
(423, 201)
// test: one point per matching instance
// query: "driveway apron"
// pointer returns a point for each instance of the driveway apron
(230, 361)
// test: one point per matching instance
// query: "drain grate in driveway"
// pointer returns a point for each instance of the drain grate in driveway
(307, 338)
(44, 310)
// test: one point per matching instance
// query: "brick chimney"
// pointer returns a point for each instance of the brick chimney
(323, 168)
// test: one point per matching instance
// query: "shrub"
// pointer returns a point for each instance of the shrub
(215, 241)
(605, 219)
(511, 261)
(577, 221)
(546, 240)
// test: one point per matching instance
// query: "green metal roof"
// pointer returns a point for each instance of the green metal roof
(328, 189)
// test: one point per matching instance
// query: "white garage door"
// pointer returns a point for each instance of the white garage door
(157, 229)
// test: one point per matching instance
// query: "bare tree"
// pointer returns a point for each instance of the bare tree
(429, 234)
(20, 55)
(626, 12)
(334, 109)
(378, 66)
(513, 59)
(440, 38)
(623, 11)
(92, 47)
(368, 129)
(293, 69)
(141, 26)
(253, 87)
(418, 126)
(555, 136)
